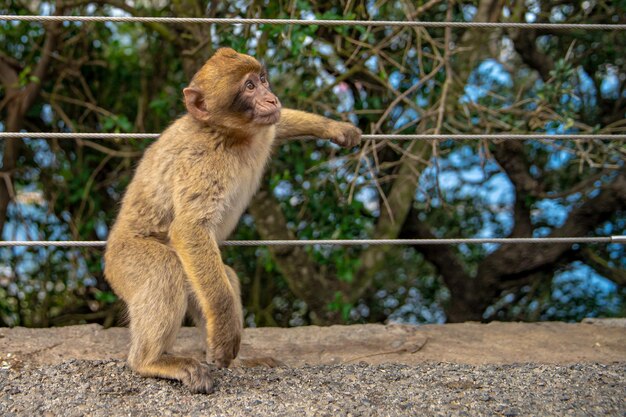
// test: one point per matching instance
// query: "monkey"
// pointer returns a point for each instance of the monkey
(187, 194)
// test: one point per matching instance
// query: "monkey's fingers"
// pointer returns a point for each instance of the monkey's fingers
(223, 352)
(347, 135)
(223, 356)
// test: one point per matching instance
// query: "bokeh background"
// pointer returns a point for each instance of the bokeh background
(128, 77)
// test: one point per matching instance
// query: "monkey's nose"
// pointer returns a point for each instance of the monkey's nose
(272, 100)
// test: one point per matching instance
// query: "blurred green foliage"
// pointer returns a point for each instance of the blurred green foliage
(127, 77)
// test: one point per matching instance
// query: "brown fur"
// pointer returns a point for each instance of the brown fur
(190, 188)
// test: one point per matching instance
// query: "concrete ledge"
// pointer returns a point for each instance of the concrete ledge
(593, 341)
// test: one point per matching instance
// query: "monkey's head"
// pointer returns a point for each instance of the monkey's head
(232, 90)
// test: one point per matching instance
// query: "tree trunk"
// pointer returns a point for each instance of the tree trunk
(19, 102)
(302, 275)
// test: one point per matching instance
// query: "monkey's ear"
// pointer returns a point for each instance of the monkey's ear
(196, 106)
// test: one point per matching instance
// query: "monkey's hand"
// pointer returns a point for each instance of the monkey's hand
(344, 134)
(225, 339)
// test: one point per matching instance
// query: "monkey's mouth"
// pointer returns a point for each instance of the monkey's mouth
(268, 118)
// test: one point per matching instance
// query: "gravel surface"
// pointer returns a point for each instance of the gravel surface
(108, 388)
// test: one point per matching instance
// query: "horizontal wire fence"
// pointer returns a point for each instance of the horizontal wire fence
(347, 242)
(498, 136)
(332, 242)
(310, 22)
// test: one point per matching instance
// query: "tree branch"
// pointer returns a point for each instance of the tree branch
(510, 156)
(513, 261)
(476, 41)
(133, 11)
(525, 43)
(448, 264)
(601, 266)
(391, 220)
(41, 70)
(8, 73)
(17, 108)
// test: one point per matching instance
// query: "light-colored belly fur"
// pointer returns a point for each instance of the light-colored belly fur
(246, 181)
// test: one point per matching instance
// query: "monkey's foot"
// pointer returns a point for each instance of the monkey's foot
(198, 379)
(193, 374)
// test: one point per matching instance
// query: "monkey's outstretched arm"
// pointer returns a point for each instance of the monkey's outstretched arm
(295, 123)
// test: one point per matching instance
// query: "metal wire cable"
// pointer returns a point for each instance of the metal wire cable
(499, 136)
(349, 242)
(308, 22)
(331, 242)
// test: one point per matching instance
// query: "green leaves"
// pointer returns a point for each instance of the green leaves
(106, 297)
(26, 77)
(342, 307)
(127, 77)
(117, 124)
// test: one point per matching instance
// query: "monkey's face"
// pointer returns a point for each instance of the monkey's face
(256, 101)
(232, 90)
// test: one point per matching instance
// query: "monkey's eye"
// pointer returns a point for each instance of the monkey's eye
(249, 85)
(263, 80)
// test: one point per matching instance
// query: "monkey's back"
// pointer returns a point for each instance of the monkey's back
(147, 206)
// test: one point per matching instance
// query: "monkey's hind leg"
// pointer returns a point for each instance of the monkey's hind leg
(156, 306)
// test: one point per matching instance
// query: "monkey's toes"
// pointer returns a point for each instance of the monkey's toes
(198, 379)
